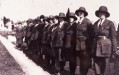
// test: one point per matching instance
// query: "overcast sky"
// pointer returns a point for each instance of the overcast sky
(24, 9)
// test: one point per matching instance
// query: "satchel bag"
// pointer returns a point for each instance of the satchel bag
(103, 48)
(81, 43)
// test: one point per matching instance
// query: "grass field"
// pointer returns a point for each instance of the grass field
(8, 66)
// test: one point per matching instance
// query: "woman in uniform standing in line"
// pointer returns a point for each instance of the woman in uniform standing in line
(104, 41)
(83, 40)
(70, 43)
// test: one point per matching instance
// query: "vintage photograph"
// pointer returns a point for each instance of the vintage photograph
(59, 37)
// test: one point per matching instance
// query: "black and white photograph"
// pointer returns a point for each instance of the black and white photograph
(59, 37)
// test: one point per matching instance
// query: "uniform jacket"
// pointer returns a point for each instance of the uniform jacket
(19, 32)
(24, 30)
(44, 34)
(84, 36)
(37, 32)
(70, 41)
(104, 47)
(60, 35)
(49, 34)
(53, 35)
(29, 31)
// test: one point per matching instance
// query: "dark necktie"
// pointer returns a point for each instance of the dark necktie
(100, 26)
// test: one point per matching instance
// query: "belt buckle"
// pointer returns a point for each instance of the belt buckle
(102, 37)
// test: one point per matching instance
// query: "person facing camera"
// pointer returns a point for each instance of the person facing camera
(83, 40)
(104, 34)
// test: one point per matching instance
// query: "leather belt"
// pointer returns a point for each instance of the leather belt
(102, 37)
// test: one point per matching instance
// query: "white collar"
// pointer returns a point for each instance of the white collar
(46, 25)
(36, 25)
(80, 20)
(71, 23)
(101, 21)
(61, 24)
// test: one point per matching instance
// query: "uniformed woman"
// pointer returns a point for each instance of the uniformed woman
(104, 41)
(70, 43)
(83, 40)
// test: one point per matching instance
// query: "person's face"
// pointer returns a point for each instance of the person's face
(61, 19)
(55, 20)
(28, 23)
(25, 24)
(71, 19)
(102, 15)
(81, 14)
(41, 19)
(35, 22)
(19, 25)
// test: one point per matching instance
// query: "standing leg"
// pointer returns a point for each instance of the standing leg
(100, 65)
(107, 67)
(72, 66)
(62, 59)
(57, 62)
(85, 64)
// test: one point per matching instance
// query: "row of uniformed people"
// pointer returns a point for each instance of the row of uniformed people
(57, 41)
(60, 39)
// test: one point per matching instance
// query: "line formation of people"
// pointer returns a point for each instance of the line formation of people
(58, 42)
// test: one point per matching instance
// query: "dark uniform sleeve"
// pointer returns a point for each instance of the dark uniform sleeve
(90, 37)
(113, 37)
